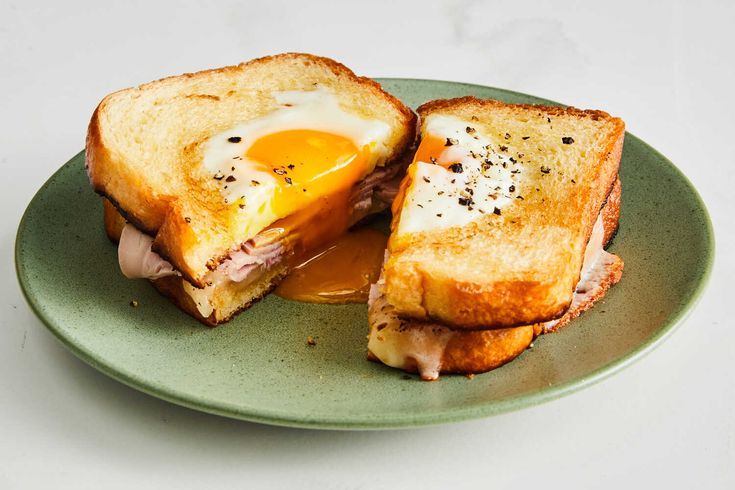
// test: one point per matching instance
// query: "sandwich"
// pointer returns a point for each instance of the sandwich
(215, 183)
(498, 234)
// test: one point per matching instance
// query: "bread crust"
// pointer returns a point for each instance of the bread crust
(163, 216)
(474, 102)
(473, 352)
(448, 299)
(173, 287)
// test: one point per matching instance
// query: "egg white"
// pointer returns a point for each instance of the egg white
(439, 198)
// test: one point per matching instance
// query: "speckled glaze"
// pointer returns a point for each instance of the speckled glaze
(259, 367)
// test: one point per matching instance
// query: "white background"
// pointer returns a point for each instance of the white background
(665, 67)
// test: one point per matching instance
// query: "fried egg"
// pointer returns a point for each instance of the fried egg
(458, 175)
(307, 149)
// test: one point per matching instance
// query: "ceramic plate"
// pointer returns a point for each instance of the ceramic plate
(259, 367)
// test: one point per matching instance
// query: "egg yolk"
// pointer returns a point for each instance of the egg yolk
(339, 272)
(431, 150)
(308, 165)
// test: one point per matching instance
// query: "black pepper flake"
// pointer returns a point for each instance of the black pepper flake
(513, 160)
(516, 171)
(440, 193)
(433, 160)
(574, 181)
(291, 166)
(187, 219)
(545, 169)
(230, 178)
(456, 168)
(303, 190)
(512, 188)
(289, 181)
(427, 180)
(241, 206)
(438, 215)
(507, 136)
(567, 140)
(453, 181)
(450, 142)
(503, 148)
(519, 197)
(237, 158)
(254, 182)
(525, 137)
(280, 171)
(232, 168)
(219, 176)
(463, 201)
(496, 211)
(420, 205)
(548, 119)
(234, 139)
(470, 130)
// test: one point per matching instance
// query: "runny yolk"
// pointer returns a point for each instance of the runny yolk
(315, 173)
(340, 272)
(308, 165)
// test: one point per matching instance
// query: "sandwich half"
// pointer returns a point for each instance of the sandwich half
(216, 182)
(498, 233)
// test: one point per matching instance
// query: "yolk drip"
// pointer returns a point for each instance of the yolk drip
(340, 272)
(308, 165)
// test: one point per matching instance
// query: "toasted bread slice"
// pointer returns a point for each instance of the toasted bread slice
(145, 148)
(494, 215)
(429, 348)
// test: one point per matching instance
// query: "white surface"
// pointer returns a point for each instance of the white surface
(665, 422)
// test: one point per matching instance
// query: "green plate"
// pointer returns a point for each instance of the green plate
(258, 367)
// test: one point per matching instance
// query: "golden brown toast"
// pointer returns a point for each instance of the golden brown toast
(502, 243)
(430, 348)
(145, 147)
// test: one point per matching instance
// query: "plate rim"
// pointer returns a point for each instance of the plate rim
(409, 420)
